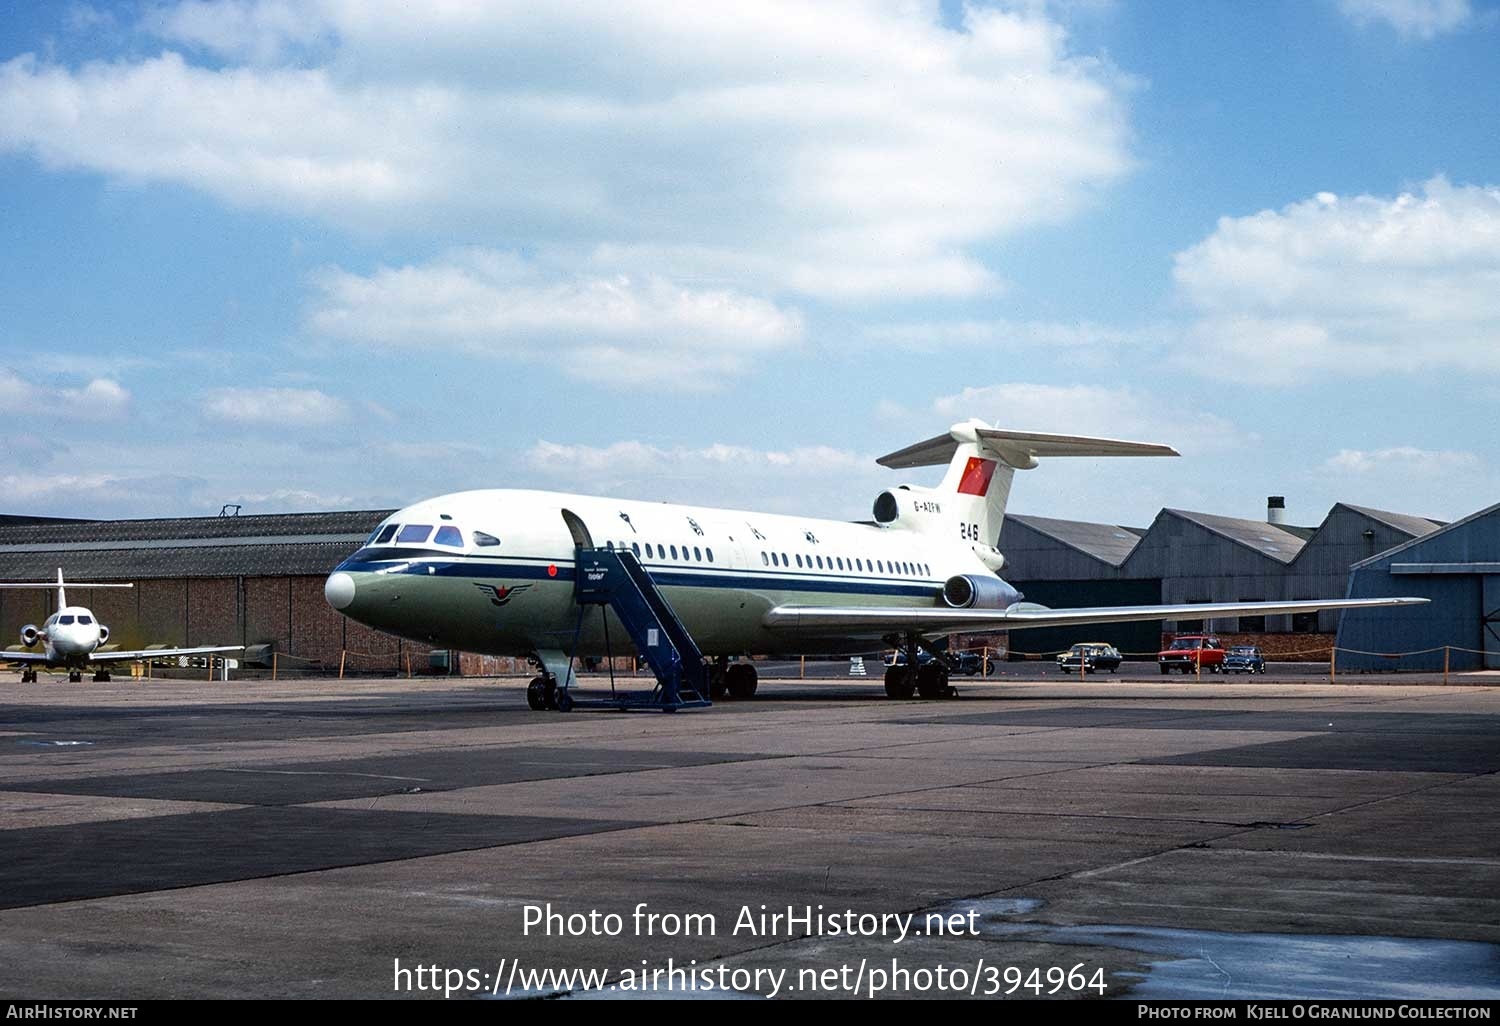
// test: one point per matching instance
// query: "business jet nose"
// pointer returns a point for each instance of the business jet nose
(339, 590)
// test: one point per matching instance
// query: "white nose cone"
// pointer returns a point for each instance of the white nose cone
(339, 590)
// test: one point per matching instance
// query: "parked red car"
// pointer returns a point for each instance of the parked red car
(1190, 652)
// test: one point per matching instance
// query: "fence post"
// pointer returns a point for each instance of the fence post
(408, 666)
(210, 668)
(802, 673)
(273, 664)
(343, 654)
(1445, 664)
(1333, 661)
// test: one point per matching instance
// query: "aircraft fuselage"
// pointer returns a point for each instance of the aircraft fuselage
(500, 579)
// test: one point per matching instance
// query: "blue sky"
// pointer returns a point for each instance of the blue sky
(318, 255)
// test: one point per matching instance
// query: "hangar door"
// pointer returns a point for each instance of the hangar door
(1490, 609)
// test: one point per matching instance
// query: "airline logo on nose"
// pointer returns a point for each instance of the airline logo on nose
(501, 595)
(976, 479)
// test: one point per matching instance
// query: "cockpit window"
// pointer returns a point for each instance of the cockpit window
(449, 535)
(480, 538)
(414, 534)
(64, 619)
(386, 533)
(85, 619)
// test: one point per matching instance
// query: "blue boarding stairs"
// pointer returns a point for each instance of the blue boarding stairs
(612, 578)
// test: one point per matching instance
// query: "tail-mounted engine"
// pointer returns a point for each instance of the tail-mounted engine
(29, 635)
(970, 591)
(909, 506)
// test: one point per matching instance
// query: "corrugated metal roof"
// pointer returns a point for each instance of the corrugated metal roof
(1106, 542)
(1406, 524)
(1268, 539)
(1415, 542)
(248, 546)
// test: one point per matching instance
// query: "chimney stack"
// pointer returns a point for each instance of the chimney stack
(1276, 509)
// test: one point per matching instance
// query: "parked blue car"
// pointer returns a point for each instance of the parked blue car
(1244, 659)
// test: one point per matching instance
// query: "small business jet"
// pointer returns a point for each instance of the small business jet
(493, 571)
(71, 638)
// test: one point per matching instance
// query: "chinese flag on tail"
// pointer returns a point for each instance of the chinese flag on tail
(976, 479)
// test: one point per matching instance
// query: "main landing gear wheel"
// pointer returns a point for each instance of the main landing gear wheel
(740, 680)
(562, 700)
(536, 694)
(899, 683)
(932, 681)
(101, 677)
(75, 676)
(28, 676)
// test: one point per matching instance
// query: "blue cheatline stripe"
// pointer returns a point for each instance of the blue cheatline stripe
(663, 576)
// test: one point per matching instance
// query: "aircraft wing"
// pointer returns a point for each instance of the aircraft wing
(97, 658)
(876, 621)
(22, 656)
(159, 653)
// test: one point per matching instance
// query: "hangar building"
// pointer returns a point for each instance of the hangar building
(1458, 568)
(1186, 556)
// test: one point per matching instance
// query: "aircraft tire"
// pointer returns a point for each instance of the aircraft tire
(563, 700)
(536, 694)
(932, 681)
(741, 680)
(898, 684)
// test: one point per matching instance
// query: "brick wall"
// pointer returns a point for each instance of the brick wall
(162, 612)
(268, 611)
(1277, 648)
(317, 629)
(213, 611)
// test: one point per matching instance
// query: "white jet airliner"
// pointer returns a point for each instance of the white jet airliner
(71, 638)
(493, 571)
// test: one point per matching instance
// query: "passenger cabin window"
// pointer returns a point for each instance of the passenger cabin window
(414, 534)
(449, 535)
(710, 554)
(386, 533)
(485, 540)
(697, 554)
(636, 548)
(674, 551)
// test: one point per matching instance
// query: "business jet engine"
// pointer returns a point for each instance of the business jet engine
(29, 635)
(103, 634)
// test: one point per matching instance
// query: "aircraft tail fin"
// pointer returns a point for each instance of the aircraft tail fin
(61, 586)
(982, 462)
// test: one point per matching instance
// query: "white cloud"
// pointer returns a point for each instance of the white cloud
(853, 148)
(1403, 461)
(1358, 285)
(274, 407)
(617, 329)
(639, 457)
(1107, 411)
(1424, 19)
(100, 399)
